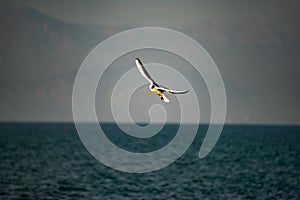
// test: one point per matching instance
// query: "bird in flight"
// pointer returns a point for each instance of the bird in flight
(153, 86)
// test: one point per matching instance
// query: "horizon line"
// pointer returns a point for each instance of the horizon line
(143, 123)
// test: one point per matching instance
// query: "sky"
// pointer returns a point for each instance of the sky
(172, 14)
(255, 45)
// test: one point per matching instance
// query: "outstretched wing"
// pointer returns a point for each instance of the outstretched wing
(143, 71)
(172, 91)
(178, 92)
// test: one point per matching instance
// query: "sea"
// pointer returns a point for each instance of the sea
(49, 161)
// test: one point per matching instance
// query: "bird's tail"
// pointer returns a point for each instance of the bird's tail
(164, 98)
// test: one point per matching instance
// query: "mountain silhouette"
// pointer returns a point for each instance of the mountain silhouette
(35, 46)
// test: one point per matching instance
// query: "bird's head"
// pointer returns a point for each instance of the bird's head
(151, 86)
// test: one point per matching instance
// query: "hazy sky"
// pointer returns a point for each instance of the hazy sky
(162, 13)
(255, 44)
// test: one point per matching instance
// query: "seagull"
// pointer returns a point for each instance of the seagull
(153, 86)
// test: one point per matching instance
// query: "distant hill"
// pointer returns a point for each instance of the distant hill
(36, 46)
(250, 32)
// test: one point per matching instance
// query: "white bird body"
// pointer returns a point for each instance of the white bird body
(153, 86)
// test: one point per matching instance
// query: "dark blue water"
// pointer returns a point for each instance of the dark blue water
(48, 161)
